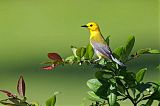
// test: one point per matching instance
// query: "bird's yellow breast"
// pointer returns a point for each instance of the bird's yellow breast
(96, 36)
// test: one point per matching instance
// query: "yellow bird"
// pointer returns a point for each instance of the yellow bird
(99, 44)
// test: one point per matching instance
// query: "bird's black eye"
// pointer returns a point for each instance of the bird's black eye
(91, 25)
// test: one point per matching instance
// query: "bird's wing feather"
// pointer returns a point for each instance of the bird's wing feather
(106, 51)
(102, 48)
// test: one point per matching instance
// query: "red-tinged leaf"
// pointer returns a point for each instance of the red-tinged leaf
(21, 86)
(47, 67)
(50, 67)
(54, 56)
(9, 94)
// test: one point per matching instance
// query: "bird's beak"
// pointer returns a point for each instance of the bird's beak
(84, 26)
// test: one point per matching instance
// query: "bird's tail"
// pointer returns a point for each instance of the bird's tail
(117, 61)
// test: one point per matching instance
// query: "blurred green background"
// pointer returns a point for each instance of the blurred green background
(29, 29)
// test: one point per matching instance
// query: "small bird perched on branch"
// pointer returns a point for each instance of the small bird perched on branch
(99, 44)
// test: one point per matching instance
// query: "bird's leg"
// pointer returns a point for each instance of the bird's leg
(97, 60)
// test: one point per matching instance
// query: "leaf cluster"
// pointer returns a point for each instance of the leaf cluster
(21, 100)
(114, 83)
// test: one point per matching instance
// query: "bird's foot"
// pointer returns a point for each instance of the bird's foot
(97, 60)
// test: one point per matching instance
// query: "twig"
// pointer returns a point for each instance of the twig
(122, 99)
(129, 96)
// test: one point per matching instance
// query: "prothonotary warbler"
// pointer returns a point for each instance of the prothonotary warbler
(101, 49)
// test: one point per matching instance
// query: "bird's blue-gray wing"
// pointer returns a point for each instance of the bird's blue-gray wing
(106, 51)
(102, 48)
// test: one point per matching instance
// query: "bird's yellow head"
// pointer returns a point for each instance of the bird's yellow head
(92, 26)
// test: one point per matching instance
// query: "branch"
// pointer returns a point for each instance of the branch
(129, 96)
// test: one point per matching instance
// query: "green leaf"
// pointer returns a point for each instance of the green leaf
(70, 59)
(119, 53)
(143, 86)
(80, 52)
(74, 49)
(102, 62)
(103, 75)
(22, 104)
(107, 39)
(129, 45)
(34, 104)
(120, 86)
(102, 91)
(154, 51)
(116, 104)
(119, 77)
(93, 84)
(129, 78)
(110, 66)
(89, 52)
(51, 101)
(14, 100)
(140, 75)
(92, 96)
(156, 94)
(112, 96)
(137, 96)
(149, 102)
(158, 67)
(121, 89)
(83, 51)
(7, 104)
(133, 91)
(145, 51)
